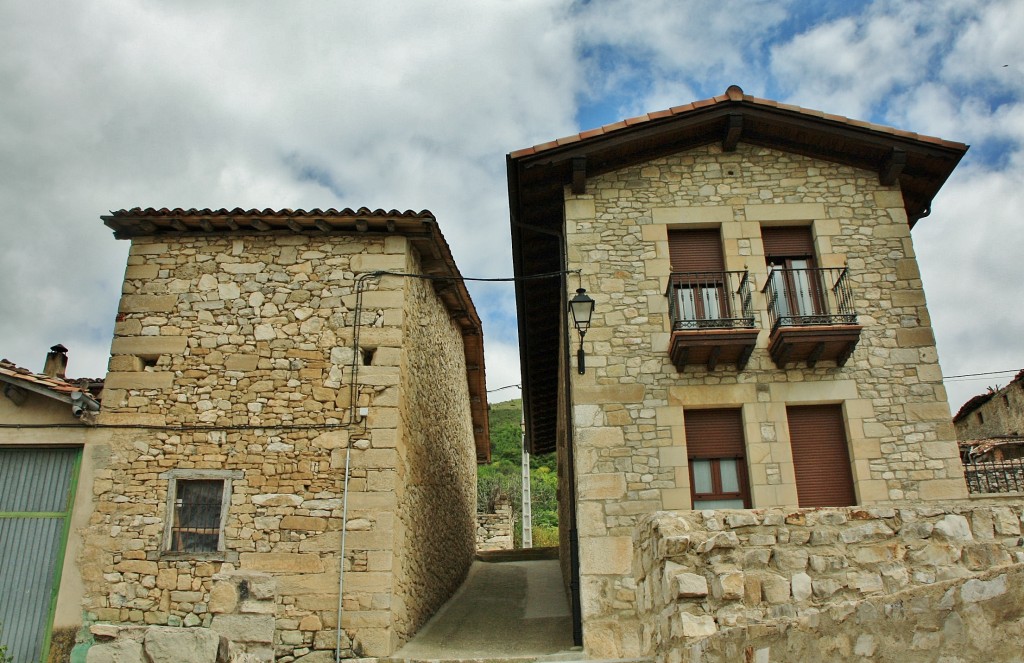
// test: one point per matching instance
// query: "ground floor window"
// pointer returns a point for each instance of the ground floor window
(197, 510)
(717, 459)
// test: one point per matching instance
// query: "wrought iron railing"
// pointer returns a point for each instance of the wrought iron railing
(803, 297)
(1003, 476)
(710, 300)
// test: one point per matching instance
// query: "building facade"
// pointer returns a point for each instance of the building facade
(294, 409)
(760, 337)
(997, 412)
(47, 458)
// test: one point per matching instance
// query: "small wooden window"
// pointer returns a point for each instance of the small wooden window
(717, 459)
(197, 514)
(197, 511)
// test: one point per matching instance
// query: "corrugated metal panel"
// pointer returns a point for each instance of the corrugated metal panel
(695, 251)
(788, 242)
(35, 479)
(35, 506)
(28, 553)
(714, 433)
(820, 456)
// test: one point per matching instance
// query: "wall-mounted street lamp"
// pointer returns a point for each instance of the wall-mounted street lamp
(582, 308)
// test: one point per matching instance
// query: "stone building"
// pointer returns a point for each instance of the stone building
(994, 413)
(281, 384)
(45, 499)
(760, 337)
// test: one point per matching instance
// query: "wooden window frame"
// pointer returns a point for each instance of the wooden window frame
(169, 548)
(716, 481)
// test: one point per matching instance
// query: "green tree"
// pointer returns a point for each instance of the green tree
(502, 478)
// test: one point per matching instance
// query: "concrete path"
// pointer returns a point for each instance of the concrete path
(512, 609)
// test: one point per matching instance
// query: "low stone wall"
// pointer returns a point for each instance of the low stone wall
(494, 530)
(703, 571)
(956, 621)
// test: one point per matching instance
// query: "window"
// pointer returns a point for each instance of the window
(698, 277)
(716, 456)
(197, 508)
(794, 281)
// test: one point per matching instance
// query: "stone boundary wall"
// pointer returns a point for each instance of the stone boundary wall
(956, 621)
(494, 531)
(702, 571)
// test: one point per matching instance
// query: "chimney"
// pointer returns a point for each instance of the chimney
(56, 361)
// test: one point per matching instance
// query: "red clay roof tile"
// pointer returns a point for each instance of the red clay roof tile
(732, 95)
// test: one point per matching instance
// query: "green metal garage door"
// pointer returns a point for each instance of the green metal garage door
(36, 496)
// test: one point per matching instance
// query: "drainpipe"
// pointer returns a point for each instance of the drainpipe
(574, 543)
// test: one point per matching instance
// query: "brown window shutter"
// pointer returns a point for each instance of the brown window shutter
(696, 250)
(820, 456)
(788, 241)
(714, 434)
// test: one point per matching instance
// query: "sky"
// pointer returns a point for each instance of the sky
(113, 104)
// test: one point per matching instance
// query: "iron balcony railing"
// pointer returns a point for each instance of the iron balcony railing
(1003, 476)
(710, 300)
(803, 297)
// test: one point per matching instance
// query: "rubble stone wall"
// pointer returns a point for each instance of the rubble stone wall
(956, 621)
(252, 335)
(629, 408)
(435, 527)
(699, 574)
(1002, 414)
(494, 531)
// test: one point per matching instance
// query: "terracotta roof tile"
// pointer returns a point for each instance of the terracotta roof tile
(54, 384)
(137, 212)
(732, 95)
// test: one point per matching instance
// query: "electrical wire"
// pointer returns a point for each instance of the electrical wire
(978, 375)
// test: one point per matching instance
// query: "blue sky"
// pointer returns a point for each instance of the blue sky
(109, 104)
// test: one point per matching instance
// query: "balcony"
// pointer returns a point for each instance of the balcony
(712, 319)
(811, 316)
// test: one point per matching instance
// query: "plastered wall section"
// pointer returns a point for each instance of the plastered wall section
(252, 334)
(630, 406)
(435, 482)
(38, 409)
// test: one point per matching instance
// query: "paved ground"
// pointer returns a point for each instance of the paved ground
(503, 609)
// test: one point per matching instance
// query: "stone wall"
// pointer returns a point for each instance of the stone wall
(956, 621)
(233, 353)
(435, 529)
(494, 531)
(629, 408)
(700, 573)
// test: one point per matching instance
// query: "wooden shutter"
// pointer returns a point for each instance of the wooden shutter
(820, 456)
(788, 242)
(714, 434)
(696, 250)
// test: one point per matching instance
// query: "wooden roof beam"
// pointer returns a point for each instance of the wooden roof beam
(579, 175)
(892, 167)
(733, 131)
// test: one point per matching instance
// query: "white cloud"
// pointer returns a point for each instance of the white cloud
(116, 104)
(121, 104)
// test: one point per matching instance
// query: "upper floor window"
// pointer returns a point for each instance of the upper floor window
(795, 283)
